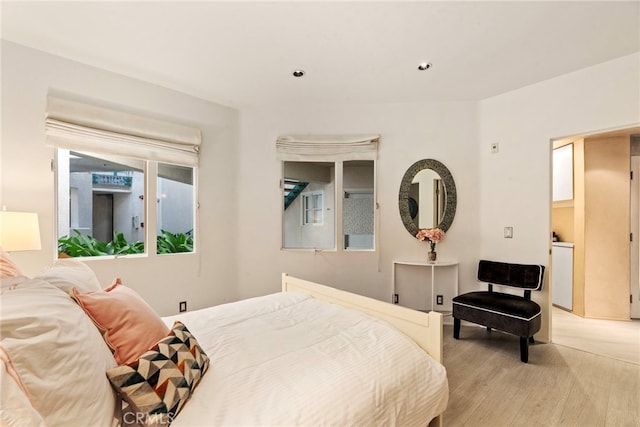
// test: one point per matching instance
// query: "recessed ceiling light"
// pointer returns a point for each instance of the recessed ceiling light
(424, 66)
(298, 73)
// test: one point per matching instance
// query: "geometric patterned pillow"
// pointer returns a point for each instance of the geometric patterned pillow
(159, 383)
(192, 363)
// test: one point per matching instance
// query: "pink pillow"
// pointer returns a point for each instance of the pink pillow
(8, 268)
(129, 325)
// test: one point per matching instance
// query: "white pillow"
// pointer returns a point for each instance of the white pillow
(59, 355)
(12, 281)
(15, 408)
(8, 268)
(69, 273)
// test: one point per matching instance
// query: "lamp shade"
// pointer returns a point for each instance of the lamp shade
(19, 231)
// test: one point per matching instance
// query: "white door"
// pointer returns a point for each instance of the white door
(635, 243)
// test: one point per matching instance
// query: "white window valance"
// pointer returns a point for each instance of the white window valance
(80, 126)
(327, 147)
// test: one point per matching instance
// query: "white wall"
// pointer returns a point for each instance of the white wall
(27, 182)
(409, 132)
(510, 188)
(515, 184)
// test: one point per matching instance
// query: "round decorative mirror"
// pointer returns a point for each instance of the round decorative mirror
(427, 197)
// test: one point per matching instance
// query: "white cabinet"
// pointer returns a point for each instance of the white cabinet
(417, 285)
(563, 173)
(562, 275)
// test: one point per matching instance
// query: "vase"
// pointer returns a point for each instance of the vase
(432, 255)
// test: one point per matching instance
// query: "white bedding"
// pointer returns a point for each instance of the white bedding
(289, 359)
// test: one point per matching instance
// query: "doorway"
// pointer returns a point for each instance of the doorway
(593, 289)
(103, 216)
(635, 229)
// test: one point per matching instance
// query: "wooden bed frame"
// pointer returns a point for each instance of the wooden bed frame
(424, 328)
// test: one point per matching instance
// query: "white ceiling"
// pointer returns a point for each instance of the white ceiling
(242, 54)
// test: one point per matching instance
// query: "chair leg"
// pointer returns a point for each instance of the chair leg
(524, 349)
(488, 329)
(456, 328)
(531, 340)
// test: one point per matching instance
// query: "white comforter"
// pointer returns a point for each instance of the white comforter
(288, 359)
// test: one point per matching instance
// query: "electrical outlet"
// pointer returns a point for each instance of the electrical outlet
(495, 147)
(183, 306)
(439, 300)
(508, 232)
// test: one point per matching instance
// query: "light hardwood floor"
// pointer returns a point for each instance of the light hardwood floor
(560, 386)
(617, 339)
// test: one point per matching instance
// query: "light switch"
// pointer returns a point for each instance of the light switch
(508, 232)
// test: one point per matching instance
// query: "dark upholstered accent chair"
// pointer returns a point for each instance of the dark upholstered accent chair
(506, 312)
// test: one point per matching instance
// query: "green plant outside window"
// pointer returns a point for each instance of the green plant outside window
(79, 245)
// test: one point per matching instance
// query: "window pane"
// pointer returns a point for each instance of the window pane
(309, 195)
(175, 209)
(312, 208)
(308, 217)
(100, 204)
(358, 204)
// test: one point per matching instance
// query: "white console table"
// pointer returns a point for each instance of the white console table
(433, 266)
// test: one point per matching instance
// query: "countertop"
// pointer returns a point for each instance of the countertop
(564, 244)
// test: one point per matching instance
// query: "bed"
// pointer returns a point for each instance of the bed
(309, 355)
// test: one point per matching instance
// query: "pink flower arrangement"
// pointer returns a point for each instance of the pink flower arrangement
(431, 235)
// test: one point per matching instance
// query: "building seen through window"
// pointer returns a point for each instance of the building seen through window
(102, 201)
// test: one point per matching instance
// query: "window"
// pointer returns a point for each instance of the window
(318, 168)
(175, 214)
(312, 209)
(107, 161)
(309, 198)
(101, 205)
(358, 217)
